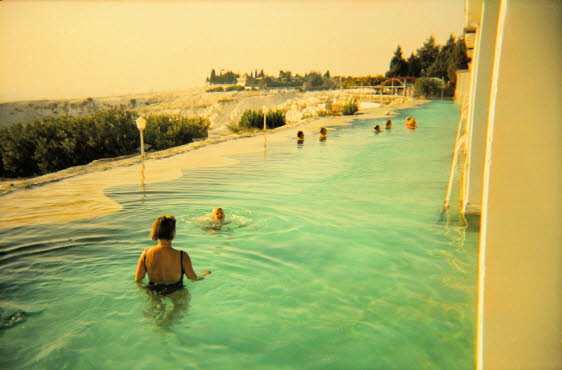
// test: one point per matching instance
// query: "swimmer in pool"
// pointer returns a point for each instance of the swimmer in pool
(377, 129)
(411, 123)
(218, 220)
(300, 137)
(218, 214)
(323, 133)
(165, 265)
(388, 124)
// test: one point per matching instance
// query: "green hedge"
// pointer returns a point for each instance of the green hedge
(429, 87)
(350, 108)
(235, 88)
(254, 119)
(166, 131)
(55, 143)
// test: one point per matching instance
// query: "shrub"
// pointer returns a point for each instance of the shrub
(350, 108)
(275, 118)
(252, 119)
(336, 109)
(55, 143)
(235, 88)
(233, 127)
(215, 89)
(428, 86)
(166, 131)
(329, 104)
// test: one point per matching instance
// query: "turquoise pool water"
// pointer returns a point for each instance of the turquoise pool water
(336, 257)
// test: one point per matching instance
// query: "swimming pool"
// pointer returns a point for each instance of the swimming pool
(335, 258)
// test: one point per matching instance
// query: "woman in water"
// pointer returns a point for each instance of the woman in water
(377, 129)
(411, 123)
(323, 133)
(300, 137)
(165, 265)
(388, 124)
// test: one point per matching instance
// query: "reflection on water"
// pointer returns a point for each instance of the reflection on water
(142, 185)
(169, 310)
(9, 320)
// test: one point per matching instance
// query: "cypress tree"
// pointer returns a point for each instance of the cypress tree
(398, 66)
(459, 55)
(427, 55)
(414, 68)
(440, 66)
(459, 60)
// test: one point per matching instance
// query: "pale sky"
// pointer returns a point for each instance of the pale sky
(76, 48)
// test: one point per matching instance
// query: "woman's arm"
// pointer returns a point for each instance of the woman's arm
(141, 271)
(188, 268)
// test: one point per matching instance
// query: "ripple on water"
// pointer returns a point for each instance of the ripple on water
(334, 257)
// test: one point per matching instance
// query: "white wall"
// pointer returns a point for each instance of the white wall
(462, 88)
(519, 271)
(480, 96)
(472, 11)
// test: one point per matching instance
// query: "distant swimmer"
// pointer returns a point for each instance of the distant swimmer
(377, 129)
(160, 262)
(218, 220)
(411, 123)
(323, 133)
(388, 124)
(300, 137)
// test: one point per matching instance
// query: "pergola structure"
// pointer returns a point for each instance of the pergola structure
(396, 86)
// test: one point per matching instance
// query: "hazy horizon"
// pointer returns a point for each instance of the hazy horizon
(73, 49)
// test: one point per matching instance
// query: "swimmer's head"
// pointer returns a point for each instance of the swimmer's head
(300, 135)
(163, 228)
(388, 123)
(323, 130)
(218, 214)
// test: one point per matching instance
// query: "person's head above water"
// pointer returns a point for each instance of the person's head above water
(217, 214)
(323, 131)
(300, 135)
(164, 228)
(388, 123)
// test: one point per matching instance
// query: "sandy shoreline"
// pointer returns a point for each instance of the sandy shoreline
(78, 192)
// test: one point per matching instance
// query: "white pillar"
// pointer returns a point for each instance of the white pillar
(472, 11)
(519, 297)
(478, 112)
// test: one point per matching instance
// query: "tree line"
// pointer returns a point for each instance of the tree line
(431, 60)
(55, 143)
(229, 78)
